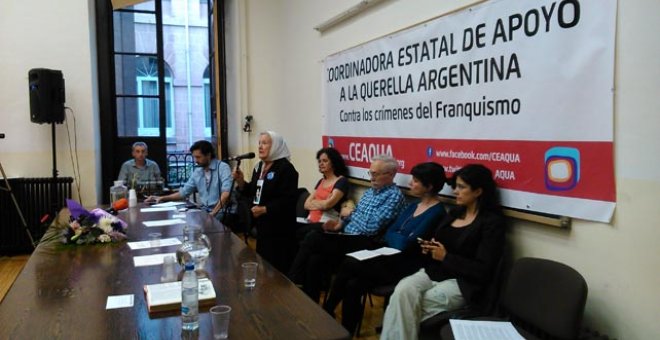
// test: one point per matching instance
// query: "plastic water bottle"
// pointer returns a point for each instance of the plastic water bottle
(189, 299)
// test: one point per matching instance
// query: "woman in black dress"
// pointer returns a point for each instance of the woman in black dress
(273, 193)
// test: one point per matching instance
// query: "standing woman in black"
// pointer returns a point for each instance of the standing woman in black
(273, 192)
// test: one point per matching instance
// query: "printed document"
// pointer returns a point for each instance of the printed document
(484, 330)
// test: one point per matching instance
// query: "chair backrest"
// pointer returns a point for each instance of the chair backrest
(300, 204)
(242, 221)
(548, 296)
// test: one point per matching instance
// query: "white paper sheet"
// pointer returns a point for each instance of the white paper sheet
(363, 254)
(157, 209)
(484, 330)
(387, 251)
(160, 223)
(151, 260)
(302, 220)
(154, 243)
(368, 254)
(167, 204)
(119, 301)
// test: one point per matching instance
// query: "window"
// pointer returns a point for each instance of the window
(153, 87)
(208, 122)
(147, 85)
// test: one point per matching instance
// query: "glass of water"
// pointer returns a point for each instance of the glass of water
(220, 318)
(250, 274)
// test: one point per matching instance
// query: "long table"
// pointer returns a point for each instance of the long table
(61, 293)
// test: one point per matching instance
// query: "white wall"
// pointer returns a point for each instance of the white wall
(57, 35)
(277, 55)
(274, 65)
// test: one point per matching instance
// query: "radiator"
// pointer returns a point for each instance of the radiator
(34, 198)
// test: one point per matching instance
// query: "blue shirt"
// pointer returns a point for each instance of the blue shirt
(211, 189)
(134, 176)
(376, 209)
(407, 228)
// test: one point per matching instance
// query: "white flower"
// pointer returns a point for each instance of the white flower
(104, 238)
(105, 224)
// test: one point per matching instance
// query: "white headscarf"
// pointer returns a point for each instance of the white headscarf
(278, 148)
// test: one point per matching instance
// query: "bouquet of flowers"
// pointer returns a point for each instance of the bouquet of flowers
(96, 226)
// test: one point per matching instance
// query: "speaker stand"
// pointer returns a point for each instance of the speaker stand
(52, 125)
(53, 187)
(7, 188)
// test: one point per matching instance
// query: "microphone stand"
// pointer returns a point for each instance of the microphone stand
(225, 209)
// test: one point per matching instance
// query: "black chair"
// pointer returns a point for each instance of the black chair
(300, 203)
(543, 299)
(243, 217)
(384, 291)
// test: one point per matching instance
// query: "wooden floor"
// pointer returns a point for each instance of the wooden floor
(10, 267)
(373, 317)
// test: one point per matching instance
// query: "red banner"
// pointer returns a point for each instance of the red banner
(567, 169)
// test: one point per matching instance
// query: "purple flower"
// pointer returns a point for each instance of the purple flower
(96, 226)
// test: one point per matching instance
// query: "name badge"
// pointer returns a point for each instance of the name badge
(257, 195)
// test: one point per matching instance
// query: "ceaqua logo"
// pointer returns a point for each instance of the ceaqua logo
(562, 168)
(331, 143)
(429, 152)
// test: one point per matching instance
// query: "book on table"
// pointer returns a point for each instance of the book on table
(167, 296)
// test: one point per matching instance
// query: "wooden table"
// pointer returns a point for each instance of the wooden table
(62, 292)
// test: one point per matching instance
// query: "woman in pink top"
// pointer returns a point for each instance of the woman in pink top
(330, 192)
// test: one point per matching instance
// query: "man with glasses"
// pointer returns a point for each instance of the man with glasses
(320, 252)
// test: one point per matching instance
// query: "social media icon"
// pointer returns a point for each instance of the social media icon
(429, 152)
(331, 143)
(562, 168)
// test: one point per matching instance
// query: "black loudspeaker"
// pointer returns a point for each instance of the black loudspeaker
(46, 96)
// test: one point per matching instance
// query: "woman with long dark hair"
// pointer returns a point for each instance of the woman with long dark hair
(461, 257)
(329, 193)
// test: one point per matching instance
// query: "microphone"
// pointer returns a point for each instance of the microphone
(248, 155)
(117, 205)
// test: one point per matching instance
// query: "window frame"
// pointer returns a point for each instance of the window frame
(169, 108)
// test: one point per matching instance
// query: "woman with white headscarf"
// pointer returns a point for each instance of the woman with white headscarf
(273, 191)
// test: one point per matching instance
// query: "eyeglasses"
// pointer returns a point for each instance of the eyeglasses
(376, 173)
